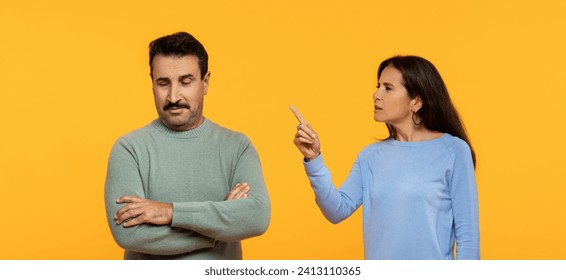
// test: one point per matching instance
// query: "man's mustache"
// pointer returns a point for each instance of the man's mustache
(177, 104)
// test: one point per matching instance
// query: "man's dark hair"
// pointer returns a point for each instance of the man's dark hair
(179, 44)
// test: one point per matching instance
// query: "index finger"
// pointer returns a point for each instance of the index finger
(298, 115)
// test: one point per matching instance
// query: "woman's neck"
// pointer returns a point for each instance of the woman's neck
(412, 133)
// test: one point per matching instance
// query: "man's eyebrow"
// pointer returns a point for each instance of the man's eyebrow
(189, 76)
(162, 79)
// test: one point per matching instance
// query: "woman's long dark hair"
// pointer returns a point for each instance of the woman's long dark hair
(421, 79)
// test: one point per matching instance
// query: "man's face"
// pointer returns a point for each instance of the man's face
(179, 91)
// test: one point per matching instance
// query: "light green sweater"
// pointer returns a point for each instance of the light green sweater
(194, 170)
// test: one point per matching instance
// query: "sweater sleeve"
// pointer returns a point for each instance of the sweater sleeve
(231, 220)
(464, 197)
(123, 178)
(336, 205)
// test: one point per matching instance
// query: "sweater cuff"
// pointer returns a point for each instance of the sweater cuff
(313, 166)
(180, 215)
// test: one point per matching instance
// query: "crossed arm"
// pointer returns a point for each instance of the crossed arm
(167, 228)
(139, 210)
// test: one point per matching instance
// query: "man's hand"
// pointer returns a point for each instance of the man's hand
(239, 191)
(138, 211)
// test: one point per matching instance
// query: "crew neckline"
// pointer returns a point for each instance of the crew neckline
(191, 133)
(418, 143)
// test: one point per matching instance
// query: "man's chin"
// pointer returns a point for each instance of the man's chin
(178, 123)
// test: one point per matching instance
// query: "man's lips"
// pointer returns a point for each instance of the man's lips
(175, 107)
(377, 107)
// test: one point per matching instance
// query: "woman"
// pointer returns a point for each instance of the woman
(417, 186)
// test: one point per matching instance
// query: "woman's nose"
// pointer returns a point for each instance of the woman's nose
(376, 95)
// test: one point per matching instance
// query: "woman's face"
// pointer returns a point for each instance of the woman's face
(392, 104)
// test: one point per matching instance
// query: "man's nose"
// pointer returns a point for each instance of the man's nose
(174, 94)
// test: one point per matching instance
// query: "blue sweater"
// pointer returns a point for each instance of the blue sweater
(419, 198)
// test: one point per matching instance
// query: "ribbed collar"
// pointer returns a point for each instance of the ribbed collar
(419, 143)
(191, 133)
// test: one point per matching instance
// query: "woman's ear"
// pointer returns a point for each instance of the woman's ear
(416, 104)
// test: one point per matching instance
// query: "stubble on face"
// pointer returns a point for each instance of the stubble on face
(179, 91)
(181, 116)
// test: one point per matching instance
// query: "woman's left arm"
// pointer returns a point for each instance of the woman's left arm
(463, 191)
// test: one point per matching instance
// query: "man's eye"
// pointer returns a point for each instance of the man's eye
(162, 84)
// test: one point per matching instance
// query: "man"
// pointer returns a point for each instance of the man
(183, 187)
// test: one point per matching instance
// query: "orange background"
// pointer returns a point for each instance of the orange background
(74, 77)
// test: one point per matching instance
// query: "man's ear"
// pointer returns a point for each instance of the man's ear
(152, 85)
(206, 80)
